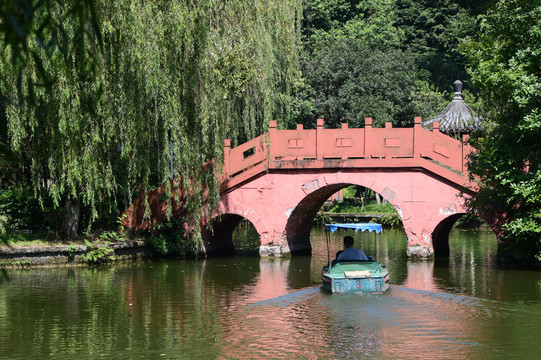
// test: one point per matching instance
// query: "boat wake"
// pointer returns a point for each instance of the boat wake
(288, 299)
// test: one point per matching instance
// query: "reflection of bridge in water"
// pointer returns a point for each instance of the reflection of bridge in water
(279, 181)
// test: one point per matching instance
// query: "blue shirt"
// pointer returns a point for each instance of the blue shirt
(352, 254)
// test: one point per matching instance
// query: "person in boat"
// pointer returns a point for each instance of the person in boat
(351, 253)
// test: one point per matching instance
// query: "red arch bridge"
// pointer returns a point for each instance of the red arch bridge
(279, 181)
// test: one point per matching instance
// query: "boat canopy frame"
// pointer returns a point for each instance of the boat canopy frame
(331, 228)
(354, 226)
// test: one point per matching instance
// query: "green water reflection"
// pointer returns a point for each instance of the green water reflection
(243, 307)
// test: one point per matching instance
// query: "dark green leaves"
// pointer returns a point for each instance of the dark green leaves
(504, 63)
(351, 81)
(97, 90)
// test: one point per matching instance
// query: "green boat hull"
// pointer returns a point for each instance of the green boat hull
(355, 277)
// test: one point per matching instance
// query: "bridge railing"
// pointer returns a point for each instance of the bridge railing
(342, 144)
(442, 148)
(245, 156)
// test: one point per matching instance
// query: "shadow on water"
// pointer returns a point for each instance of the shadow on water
(3, 276)
(230, 271)
(299, 274)
(289, 299)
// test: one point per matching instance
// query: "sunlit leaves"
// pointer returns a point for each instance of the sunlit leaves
(30, 28)
(100, 109)
(504, 63)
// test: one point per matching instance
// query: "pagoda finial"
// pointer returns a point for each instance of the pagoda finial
(458, 90)
(456, 118)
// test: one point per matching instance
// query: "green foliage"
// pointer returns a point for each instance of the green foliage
(469, 221)
(390, 60)
(3, 225)
(29, 29)
(123, 79)
(361, 82)
(349, 192)
(158, 244)
(7, 157)
(97, 254)
(353, 66)
(351, 207)
(433, 30)
(22, 263)
(112, 236)
(388, 220)
(504, 64)
(370, 21)
(71, 252)
(169, 240)
(26, 238)
(522, 238)
(428, 101)
(21, 210)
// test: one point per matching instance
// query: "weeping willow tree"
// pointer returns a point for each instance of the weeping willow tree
(144, 75)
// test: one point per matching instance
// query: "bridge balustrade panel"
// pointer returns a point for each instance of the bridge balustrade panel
(341, 143)
(247, 155)
(345, 143)
(441, 148)
(293, 144)
(389, 142)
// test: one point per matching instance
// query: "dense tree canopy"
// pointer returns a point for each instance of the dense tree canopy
(370, 21)
(401, 54)
(361, 82)
(432, 31)
(505, 63)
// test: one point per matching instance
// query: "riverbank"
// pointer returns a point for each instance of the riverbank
(72, 254)
(351, 209)
(387, 220)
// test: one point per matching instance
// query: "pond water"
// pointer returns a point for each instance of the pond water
(243, 307)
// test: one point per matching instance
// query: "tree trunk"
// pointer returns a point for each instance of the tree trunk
(378, 199)
(70, 224)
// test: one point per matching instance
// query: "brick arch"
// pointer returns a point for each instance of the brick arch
(311, 196)
(439, 234)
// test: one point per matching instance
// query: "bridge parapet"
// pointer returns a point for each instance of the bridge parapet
(244, 156)
(301, 146)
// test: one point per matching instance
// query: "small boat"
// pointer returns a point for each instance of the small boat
(355, 276)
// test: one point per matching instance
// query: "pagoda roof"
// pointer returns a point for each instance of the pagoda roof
(457, 117)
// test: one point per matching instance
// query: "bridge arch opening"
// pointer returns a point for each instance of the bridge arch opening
(441, 241)
(301, 219)
(230, 234)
